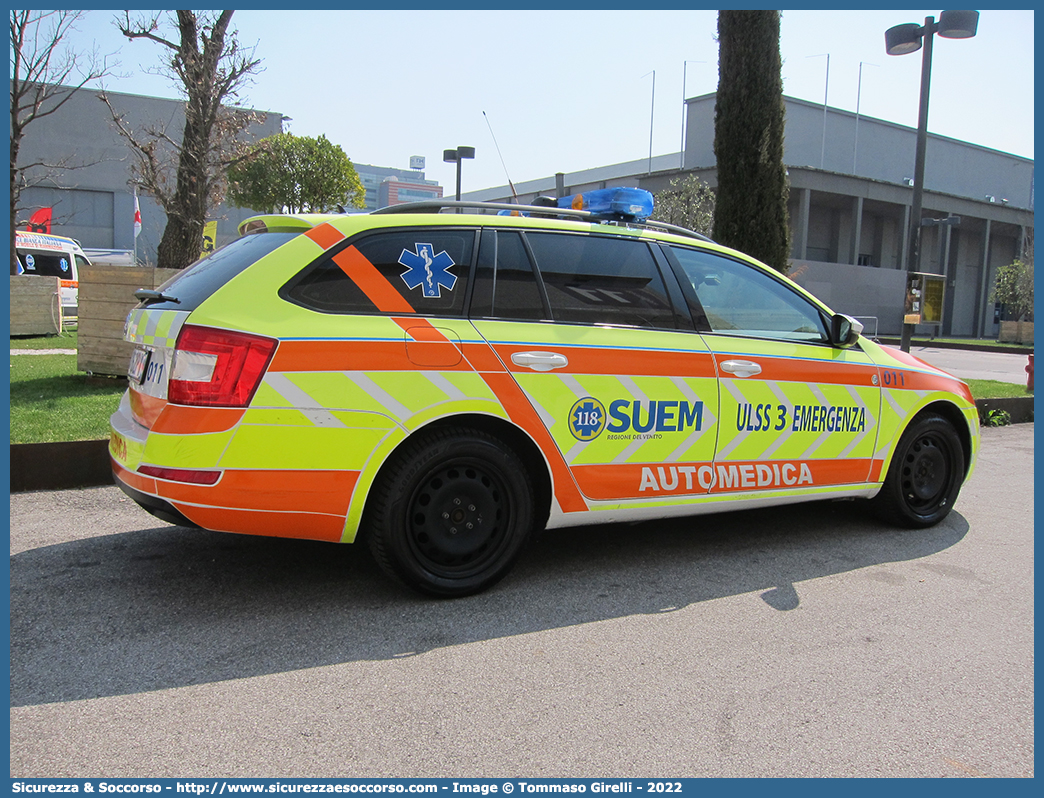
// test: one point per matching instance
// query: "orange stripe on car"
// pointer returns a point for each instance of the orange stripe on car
(522, 413)
(179, 419)
(303, 526)
(146, 409)
(372, 283)
(325, 492)
(349, 356)
(325, 235)
(780, 369)
(632, 362)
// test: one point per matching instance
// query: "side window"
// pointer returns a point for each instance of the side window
(601, 280)
(505, 285)
(427, 268)
(738, 299)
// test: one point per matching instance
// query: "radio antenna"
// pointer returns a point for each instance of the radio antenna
(511, 185)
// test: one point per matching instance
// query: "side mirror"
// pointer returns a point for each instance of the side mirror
(844, 331)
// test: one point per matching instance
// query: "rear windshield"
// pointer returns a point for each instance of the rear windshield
(197, 282)
(48, 264)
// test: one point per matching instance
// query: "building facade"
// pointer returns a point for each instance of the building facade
(389, 186)
(89, 183)
(850, 202)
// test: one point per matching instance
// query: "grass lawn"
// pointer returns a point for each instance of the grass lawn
(67, 340)
(994, 389)
(52, 402)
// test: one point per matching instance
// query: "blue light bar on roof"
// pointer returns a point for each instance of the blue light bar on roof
(632, 204)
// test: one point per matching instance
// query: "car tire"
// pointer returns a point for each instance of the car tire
(925, 474)
(451, 512)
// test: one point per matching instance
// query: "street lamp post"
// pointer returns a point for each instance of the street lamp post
(685, 108)
(909, 38)
(826, 97)
(457, 156)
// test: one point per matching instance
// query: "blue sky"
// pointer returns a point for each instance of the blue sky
(571, 90)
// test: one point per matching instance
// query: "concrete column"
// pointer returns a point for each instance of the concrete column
(984, 292)
(800, 247)
(904, 258)
(857, 230)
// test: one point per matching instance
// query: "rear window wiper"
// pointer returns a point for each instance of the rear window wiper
(151, 295)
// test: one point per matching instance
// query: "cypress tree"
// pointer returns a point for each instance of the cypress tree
(751, 207)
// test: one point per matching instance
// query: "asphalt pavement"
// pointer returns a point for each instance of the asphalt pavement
(974, 365)
(802, 641)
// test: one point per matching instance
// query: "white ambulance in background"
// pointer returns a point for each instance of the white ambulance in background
(53, 256)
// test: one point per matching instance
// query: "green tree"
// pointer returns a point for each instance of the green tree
(296, 174)
(188, 176)
(1013, 288)
(751, 208)
(689, 203)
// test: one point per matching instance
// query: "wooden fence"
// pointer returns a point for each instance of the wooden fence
(36, 307)
(106, 297)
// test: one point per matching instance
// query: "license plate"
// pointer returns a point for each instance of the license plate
(139, 362)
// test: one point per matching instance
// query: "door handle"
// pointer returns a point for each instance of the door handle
(741, 368)
(540, 361)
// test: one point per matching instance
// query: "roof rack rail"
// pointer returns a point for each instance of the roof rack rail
(546, 211)
(434, 206)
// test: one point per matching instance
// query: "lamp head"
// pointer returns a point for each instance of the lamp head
(904, 39)
(958, 24)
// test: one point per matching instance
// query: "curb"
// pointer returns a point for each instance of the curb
(85, 464)
(60, 466)
(1020, 408)
(970, 346)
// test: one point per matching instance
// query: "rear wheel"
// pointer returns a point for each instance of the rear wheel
(450, 512)
(925, 474)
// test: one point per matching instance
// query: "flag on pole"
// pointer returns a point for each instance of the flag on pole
(137, 216)
(40, 222)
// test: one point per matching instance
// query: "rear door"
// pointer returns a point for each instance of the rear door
(603, 350)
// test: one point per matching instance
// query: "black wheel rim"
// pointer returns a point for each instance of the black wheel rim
(458, 518)
(927, 474)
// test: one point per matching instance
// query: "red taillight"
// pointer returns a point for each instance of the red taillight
(192, 476)
(218, 367)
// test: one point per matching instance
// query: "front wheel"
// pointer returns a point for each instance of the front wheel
(925, 474)
(450, 512)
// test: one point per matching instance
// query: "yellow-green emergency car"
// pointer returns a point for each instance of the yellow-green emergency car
(443, 384)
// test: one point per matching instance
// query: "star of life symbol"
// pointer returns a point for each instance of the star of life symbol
(428, 271)
(586, 419)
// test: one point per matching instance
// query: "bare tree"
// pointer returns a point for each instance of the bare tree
(45, 74)
(188, 176)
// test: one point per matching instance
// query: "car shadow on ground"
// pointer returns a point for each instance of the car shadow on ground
(170, 607)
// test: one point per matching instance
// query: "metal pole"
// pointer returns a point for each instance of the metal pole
(859, 94)
(652, 113)
(914, 261)
(685, 67)
(826, 95)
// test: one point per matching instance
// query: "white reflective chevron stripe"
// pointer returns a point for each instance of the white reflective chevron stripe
(301, 401)
(394, 407)
(788, 430)
(439, 381)
(741, 435)
(826, 434)
(709, 420)
(871, 422)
